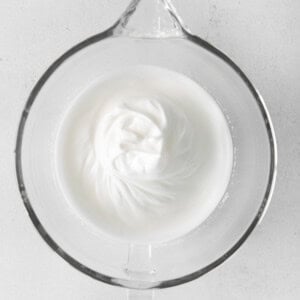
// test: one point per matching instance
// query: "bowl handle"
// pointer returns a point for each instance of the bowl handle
(150, 19)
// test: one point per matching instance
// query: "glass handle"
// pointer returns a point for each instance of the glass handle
(150, 19)
(139, 267)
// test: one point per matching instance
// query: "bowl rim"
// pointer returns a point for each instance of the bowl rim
(135, 284)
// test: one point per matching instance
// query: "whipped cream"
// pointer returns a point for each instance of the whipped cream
(140, 153)
(144, 155)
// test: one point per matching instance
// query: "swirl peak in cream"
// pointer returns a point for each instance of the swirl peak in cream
(143, 151)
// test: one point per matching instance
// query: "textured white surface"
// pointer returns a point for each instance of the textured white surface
(262, 36)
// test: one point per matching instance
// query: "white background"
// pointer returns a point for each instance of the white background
(262, 36)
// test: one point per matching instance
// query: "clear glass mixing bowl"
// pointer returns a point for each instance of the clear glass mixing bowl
(148, 33)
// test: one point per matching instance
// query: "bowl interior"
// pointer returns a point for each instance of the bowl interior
(243, 203)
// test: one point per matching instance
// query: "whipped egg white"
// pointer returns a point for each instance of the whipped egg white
(144, 155)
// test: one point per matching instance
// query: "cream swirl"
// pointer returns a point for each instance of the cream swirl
(143, 151)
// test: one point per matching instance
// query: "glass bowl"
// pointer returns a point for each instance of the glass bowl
(148, 33)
